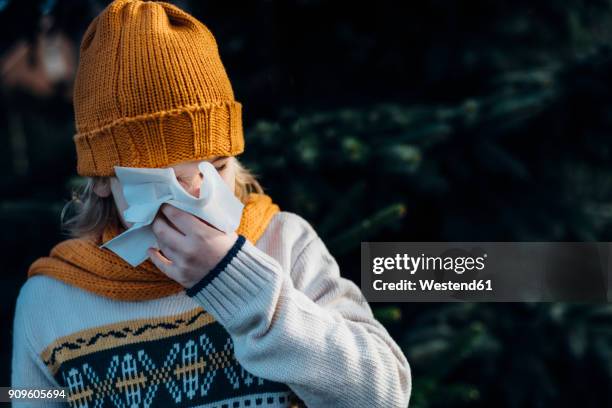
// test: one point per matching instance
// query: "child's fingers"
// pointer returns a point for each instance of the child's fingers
(165, 234)
(163, 264)
(168, 253)
(187, 223)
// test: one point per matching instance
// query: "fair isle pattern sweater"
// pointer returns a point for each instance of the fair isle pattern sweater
(270, 322)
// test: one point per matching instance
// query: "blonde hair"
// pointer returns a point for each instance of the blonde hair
(92, 213)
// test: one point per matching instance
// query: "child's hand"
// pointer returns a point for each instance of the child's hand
(190, 247)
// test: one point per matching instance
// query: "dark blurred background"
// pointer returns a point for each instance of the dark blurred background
(410, 121)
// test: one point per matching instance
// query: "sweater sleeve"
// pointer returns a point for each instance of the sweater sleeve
(28, 370)
(320, 338)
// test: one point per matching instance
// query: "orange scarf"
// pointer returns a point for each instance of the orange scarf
(79, 261)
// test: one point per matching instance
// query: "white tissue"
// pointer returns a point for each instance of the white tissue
(146, 189)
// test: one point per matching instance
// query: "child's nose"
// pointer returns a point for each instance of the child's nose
(194, 188)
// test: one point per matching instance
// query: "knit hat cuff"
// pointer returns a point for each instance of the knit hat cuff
(161, 139)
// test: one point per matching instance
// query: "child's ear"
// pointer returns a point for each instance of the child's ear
(102, 187)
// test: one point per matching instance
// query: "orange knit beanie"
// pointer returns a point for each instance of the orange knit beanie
(151, 91)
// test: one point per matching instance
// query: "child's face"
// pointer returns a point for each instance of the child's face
(187, 174)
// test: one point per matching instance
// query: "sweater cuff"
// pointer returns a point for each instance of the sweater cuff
(205, 281)
(236, 283)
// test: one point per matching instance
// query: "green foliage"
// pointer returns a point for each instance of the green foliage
(516, 353)
(489, 168)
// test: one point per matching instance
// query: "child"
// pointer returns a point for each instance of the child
(256, 317)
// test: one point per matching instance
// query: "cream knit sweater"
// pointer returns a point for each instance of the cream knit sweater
(292, 320)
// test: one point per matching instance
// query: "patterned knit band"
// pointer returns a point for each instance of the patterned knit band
(151, 91)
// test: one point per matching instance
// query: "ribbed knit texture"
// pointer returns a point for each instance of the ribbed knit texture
(292, 318)
(80, 262)
(151, 91)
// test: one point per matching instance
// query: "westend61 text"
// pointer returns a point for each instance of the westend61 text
(430, 285)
